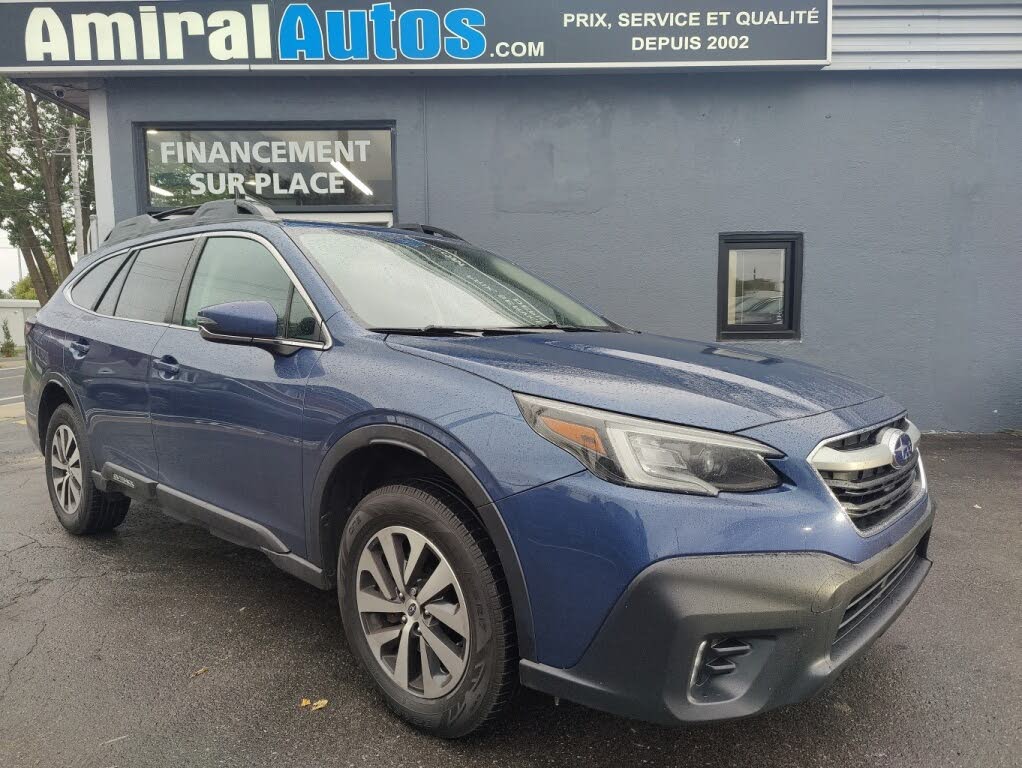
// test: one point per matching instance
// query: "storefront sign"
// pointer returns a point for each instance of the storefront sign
(290, 169)
(405, 35)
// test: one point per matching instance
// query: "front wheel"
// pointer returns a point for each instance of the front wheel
(425, 608)
(80, 506)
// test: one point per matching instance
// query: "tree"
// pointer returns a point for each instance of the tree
(35, 183)
(23, 289)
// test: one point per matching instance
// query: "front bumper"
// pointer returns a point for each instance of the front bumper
(648, 659)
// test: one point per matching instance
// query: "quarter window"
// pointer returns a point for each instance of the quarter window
(239, 269)
(88, 290)
(301, 322)
(759, 286)
(151, 286)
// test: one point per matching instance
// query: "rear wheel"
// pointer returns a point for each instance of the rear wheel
(425, 608)
(80, 506)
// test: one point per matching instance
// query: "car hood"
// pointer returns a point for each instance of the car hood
(656, 377)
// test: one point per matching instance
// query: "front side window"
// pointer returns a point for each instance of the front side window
(239, 269)
(154, 277)
(760, 281)
(392, 281)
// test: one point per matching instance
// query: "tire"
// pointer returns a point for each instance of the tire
(452, 701)
(92, 510)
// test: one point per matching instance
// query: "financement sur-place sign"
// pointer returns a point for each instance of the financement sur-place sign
(402, 35)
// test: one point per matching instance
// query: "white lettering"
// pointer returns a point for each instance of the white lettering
(150, 24)
(261, 181)
(261, 31)
(257, 152)
(83, 25)
(167, 151)
(45, 36)
(217, 153)
(176, 25)
(230, 40)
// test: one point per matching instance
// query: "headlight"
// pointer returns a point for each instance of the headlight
(649, 454)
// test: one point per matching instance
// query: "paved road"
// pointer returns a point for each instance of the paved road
(11, 374)
(100, 640)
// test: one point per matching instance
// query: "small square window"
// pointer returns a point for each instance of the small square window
(759, 292)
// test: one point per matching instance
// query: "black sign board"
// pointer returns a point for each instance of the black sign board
(404, 35)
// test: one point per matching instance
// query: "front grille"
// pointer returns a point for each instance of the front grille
(876, 494)
(866, 602)
(869, 437)
(870, 496)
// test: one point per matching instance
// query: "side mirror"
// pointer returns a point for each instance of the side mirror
(239, 322)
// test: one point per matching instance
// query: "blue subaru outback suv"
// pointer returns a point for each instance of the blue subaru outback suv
(503, 486)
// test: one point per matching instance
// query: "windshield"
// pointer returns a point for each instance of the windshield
(396, 282)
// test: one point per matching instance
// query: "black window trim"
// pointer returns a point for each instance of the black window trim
(793, 242)
(326, 341)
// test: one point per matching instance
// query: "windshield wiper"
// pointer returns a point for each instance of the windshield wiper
(442, 330)
(559, 327)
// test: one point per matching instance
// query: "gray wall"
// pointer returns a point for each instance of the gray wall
(907, 186)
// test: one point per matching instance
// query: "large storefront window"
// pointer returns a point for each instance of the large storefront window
(292, 169)
(760, 284)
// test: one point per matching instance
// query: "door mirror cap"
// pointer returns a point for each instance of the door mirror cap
(239, 322)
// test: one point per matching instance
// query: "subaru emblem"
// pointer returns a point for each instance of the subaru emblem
(900, 446)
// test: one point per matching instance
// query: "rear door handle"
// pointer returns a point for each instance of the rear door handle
(167, 367)
(79, 348)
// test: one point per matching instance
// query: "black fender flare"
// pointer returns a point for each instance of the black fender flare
(467, 482)
(59, 380)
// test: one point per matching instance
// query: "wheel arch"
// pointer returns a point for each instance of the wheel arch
(323, 524)
(54, 391)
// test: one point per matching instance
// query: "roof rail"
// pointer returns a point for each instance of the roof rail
(429, 229)
(189, 216)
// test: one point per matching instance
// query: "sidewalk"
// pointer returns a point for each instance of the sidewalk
(18, 361)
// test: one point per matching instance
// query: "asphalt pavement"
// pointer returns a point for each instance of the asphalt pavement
(11, 373)
(160, 645)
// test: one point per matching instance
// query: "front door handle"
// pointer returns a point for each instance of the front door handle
(167, 367)
(79, 348)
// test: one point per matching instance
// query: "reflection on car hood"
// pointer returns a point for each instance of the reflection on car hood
(655, 377)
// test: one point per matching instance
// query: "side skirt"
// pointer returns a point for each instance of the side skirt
(218, 521)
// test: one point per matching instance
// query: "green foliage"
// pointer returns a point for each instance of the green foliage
(36, 208)
(23, 289)
(7, 348)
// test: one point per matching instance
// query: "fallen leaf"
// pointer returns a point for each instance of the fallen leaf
(305, 703)
(319, 705)
(198, 672)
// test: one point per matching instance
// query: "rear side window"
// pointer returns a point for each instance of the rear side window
(108, 303)
(152, 283)
(239, 269)
(88, 290)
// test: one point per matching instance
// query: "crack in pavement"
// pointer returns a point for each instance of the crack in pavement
(20, 660)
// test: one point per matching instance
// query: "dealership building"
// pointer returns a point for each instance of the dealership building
(836, 183)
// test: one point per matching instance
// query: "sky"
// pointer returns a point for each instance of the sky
(9, 259)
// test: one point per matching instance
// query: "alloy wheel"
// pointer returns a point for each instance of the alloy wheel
(66, 469)
(413, 612)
